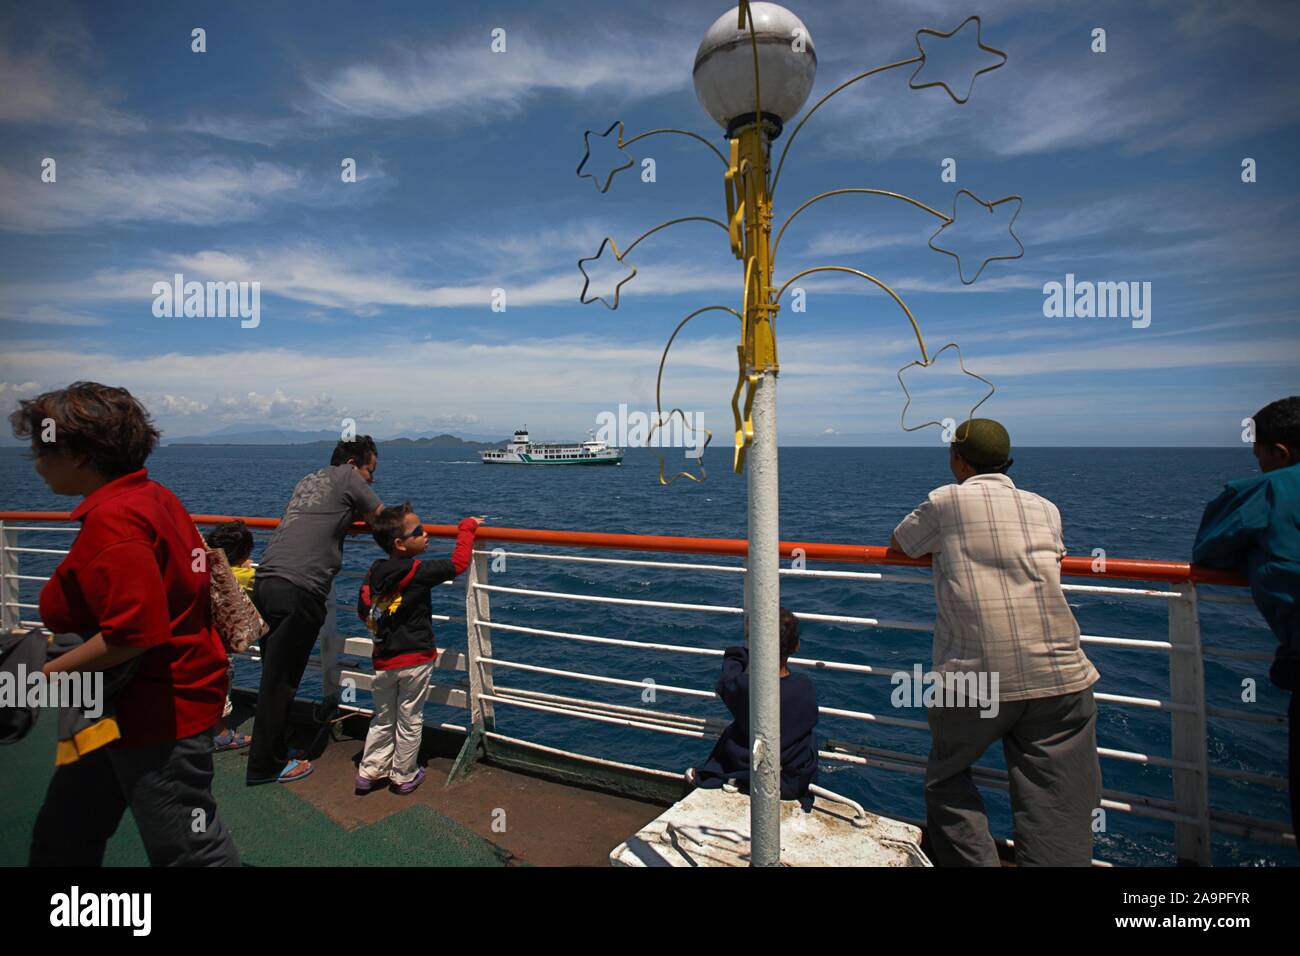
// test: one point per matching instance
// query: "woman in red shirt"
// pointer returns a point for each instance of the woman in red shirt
(135, 585)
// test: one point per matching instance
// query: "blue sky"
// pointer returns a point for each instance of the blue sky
(376, 295)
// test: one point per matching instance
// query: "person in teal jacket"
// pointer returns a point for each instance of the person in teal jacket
(1254, 527)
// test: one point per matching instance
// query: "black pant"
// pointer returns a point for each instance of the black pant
(168, 787)
(1292, 712)
(295, 617)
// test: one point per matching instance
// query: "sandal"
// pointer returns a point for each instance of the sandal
(230, 741)
(287, 775)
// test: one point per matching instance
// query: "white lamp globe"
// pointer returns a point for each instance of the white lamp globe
(724, 68)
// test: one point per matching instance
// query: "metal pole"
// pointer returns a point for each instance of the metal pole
(759, 365)
(763, 615)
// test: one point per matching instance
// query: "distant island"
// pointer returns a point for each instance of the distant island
(322, 438)
(438, 441)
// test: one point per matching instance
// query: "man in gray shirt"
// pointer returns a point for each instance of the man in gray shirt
(291, 590)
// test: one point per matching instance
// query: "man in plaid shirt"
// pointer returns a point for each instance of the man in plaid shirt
(1001, 614)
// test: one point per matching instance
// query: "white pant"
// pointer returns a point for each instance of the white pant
(393, 742)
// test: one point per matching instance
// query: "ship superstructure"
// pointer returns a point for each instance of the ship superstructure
(522, 450)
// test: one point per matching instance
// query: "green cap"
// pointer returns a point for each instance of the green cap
(983, 442)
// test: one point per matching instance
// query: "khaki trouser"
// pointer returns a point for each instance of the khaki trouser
(1050, 745)
(393, 742)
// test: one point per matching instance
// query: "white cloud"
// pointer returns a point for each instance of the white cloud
(42, 86)
(49, 315)
(97, 189)
(465, 81)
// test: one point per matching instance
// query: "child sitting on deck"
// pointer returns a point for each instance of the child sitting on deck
(234, 538)
(394, 603)
(730, 757)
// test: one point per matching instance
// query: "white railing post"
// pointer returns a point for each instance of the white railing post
(9, 609)
(1188, 731)
(478, 644)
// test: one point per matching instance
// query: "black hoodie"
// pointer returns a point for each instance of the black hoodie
(405, 637)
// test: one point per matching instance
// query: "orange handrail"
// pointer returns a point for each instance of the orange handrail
(1175, 572)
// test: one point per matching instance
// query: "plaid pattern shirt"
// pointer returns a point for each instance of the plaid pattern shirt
(997, 583)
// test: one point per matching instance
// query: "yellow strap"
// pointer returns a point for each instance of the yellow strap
(97, 735)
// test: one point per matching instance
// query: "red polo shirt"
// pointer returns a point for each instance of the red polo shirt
(130, 575)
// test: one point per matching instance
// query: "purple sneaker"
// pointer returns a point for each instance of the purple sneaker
(409, 787)
(364, 784)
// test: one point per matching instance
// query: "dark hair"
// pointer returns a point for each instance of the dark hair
(1001, 469)
(1278, 423)
(106, 425)
(235, 539)
(388, 526)
(361, 450)
(789, 634)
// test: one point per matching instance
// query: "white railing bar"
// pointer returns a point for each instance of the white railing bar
(712, 724)
(25, 577)
(38, 530)
(620, 721)
(1155, 813)
(1135, 809)
(1122, 592)
(1130, 756)
(566, 635)
(1127, 642)
(1155, 703)
(704, 608)
(814, 663)
(874, 718)
(1216, 651)
(368, 712)
(1225, 713)
(993, 773)
(631, 562)
(1263, 779)
(595, 678)
(710, 727)
(35, 550)
(34, 607)
(840, 575)
(863, 621)
(600, 599)
(587, 758)
(22, 623)
(724, 568)
(691, 692)
(1138, 810)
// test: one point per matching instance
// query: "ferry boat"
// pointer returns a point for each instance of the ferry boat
(521, 450)
(502, 791)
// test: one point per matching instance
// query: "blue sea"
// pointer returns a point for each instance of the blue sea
(1133, 502)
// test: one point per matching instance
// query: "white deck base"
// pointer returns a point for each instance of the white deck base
(711, 828)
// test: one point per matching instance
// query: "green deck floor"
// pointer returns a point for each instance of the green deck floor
(272, 826)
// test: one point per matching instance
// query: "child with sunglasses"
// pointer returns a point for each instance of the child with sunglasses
(394, 603)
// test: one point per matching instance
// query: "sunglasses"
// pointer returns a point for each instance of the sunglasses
(417, 533)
